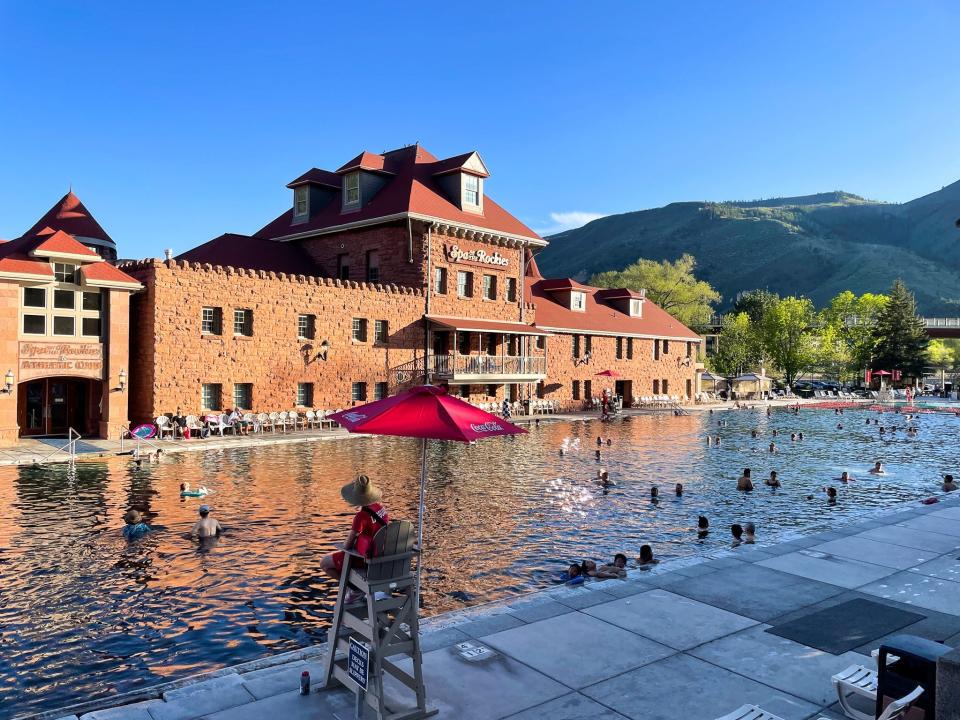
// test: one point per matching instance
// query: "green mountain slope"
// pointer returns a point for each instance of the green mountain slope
(815, 245)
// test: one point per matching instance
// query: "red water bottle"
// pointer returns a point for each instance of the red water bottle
(305, 683)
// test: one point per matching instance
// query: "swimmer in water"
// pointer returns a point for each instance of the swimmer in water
(737, 531)
(716, 441)
(703, 527)
(773, 447)
(776, 433)
(709, 440)
(679, 489)
(877, 469)
(839, 426)
(185, 490)
(603, 478)
(609, 442)
(799, 436)
(646, 556)
(753, 433)
(772, 481)
(598, 456)
(599, 441)
(793, 437)
(744, 482)
(845, 477)
(948, 484)
(654, 494)
(749, 533)
(135, 527)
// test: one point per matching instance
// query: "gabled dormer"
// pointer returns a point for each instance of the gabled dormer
(461, 179)
(312, 191)
(361, 179)
(629, 302)
(568, 293)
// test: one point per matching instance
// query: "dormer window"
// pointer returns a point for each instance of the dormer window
(471, 190)
(351, 190)
(636, 307)
(578, 301)
(301, 199)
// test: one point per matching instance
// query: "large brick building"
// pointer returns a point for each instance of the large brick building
(393, 270)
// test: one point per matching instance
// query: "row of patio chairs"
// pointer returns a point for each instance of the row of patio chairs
(656, 401)
(218, 423)
(705, 397)
(841, 394)
(544, 407)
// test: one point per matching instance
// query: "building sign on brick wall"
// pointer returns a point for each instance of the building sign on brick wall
(481, 257)
(40, 359)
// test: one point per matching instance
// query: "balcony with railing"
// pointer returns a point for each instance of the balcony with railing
(478, 369)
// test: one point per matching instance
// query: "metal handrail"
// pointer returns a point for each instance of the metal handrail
(71, 444)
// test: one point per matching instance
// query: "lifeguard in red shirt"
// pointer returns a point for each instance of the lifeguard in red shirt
(370, 517)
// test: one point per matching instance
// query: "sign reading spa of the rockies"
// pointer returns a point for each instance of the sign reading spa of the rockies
(41, 359)
(481, 257)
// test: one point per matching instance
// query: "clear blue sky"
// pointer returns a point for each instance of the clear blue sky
(177, 122)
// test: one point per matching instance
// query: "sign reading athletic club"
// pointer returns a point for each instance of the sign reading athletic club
(41, 359)
(482, 257)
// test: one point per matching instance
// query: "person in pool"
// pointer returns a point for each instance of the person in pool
(618, 568)
(948, 483)
(654, 494)
(679, 489)
(845, 477)
(603, 478)
(737, 531)
(206, 526)
(370, 517)
(749, 534)
(135, 527)
(703, 527)
(773, 480)
(745, 483)
(590, 569)
(646, 558)
(773, 447)
(573, 575)
(877, 469)
(185, 490)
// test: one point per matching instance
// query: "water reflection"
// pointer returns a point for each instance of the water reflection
(83, 613)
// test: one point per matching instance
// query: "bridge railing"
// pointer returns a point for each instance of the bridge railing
(941, 322)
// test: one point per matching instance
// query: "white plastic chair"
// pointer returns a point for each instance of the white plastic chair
(252, 420)
(165, 427)
(856, 680)
(217, 423)
(750, 712)
(295, 420)
(265, 422)
(310, 418)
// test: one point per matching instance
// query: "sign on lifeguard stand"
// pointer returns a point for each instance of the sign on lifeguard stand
(368, 634)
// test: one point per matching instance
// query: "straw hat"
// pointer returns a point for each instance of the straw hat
(361, 492)
(132, 517)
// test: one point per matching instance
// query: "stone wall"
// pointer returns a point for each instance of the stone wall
(172, 358)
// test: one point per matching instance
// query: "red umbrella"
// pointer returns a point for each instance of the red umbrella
(881, 372)
(607, 373)
(426, 412)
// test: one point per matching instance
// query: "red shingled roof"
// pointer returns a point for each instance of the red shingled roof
(61, 242)
(318, 176)
(412, 189)
(366, 161)
(26, 266)
(600, 317)
(253, 253)
(105, 272)
(70, 215)
(455, 163)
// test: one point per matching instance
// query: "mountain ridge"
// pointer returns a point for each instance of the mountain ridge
(815, 245)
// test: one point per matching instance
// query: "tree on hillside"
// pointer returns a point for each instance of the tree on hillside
(755, 303)
(851, 319)
(900, 338)
(788, 332)
(671, 285)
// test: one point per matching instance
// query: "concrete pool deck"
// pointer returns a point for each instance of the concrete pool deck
(33, 451)
(685, 640)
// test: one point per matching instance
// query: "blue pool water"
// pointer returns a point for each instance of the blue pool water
(84, 614)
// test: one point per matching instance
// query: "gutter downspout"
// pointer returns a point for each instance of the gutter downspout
(426, 322)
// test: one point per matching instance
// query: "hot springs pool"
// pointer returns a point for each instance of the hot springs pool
(85, 614)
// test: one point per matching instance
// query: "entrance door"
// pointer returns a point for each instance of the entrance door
(624, 388)
(53, 406)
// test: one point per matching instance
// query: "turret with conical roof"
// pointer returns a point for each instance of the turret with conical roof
(70, 216)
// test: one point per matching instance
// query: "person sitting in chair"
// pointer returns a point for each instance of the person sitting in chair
(371, 516)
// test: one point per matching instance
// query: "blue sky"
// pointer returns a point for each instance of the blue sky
(178, 122)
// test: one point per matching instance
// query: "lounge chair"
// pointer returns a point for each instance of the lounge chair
(265, 422)
(217, 423)
(165, 427)
(894, 711)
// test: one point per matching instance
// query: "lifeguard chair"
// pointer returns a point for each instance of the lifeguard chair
(371, 632)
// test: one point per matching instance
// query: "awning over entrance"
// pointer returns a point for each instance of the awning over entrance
(490, 326)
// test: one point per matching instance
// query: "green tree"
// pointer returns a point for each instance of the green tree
(942, 357)
(832, 353)
(755, 303)
(788, 336)
(851, 319)
(735, 345)
(671, 285)
(900, 337)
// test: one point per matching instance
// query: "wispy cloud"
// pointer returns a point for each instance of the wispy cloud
(568, 221)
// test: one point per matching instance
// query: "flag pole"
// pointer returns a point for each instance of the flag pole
(420, 512)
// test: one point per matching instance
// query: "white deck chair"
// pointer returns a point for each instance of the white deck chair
(252, 420)
(750, 712)
(310, 418)
(296, 420)
(265, 422)
(217, 423)
(856, 680)
(194, 426)
(165, 427)
(274, 421)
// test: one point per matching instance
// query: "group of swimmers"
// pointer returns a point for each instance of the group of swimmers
(135, 528)
(577, 573)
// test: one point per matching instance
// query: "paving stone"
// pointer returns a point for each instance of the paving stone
(569, 707)
(133, 711)
(911, 537)
(952, 513)
(875, 552)
(625, 588)
(203, 698)
(68, 717)
(553, 646)
(684, 687)
(784, 664)
(911, 588)
(845, 572)
(754, 591)
(931, 523)
(946, 567)
(489, 624)
(441, 637)
(537, 609)
(724, 563)
(672, 620)
(284, 678)
(583, 598)
(325, 704)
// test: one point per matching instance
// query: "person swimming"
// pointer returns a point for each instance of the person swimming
(646, 556)
(654, 494)
(773, 480)
(839, 426)
(749, 534)
(845, 477)
(703, 527)
(134, 528)
(598, 456)
(603, 478)
(776, 433)
(185, 490)
(793, 437)
(754, 433)
(799, 436)
(948, 484)
(716, 441)
(737, 531)
(573, 575)
(877, 469)
(744, 482)
(773, 447)
(599, 441)
(679, 489)
(616, 569)
(709, 440)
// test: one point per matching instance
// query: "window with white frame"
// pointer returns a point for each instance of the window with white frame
(464, 283)
(471, 190)
(635, 306)
(351, 190)
(381, 332)
(360, 329)
(243, 396)
(65, 273)
(511, 289)
(305, 395)
(243, 322)
(61, 309)
(306, 326)
(373, 266)
(35, 297)
(440, 280)
(210, 396)
(490, 287)
(301, 201)
(578, 301)
(211, 321)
